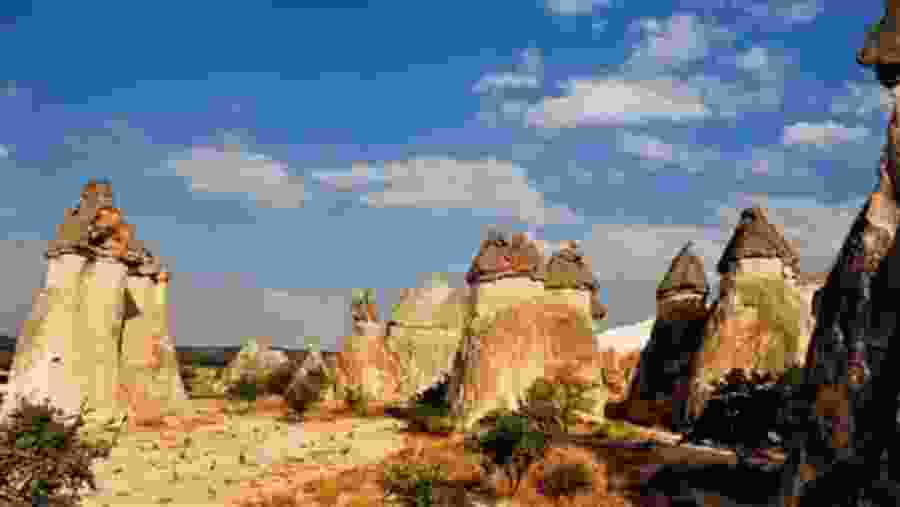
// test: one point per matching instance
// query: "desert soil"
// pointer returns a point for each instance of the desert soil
(201, 464)
(335, 459)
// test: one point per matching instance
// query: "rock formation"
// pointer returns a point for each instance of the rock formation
(308, 382)
(495, 365)
(848, 370)
(570, 279)
(426, 329)
(369, 363)
(758, 264)
(100, 313)
(256, 362)
(676, 337)
(363, 310)
(495, 284)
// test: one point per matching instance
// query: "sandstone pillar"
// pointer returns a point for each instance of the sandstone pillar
(149, 366)
(97, 338)
(45, 351)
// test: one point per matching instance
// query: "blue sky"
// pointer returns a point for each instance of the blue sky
(279, 156)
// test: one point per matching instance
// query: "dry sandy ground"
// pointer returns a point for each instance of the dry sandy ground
(335, 459)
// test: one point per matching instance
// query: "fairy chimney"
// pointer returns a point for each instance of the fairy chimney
(757, 246)
(676, 337)
(502, 275)
(684, 287)
(570, 279)
(88, 296)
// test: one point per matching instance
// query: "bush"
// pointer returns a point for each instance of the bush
(356, 399)
(412, 484)
(435, 396)
(567, 399)
(567, 479)
(510, 444)
(41, 455)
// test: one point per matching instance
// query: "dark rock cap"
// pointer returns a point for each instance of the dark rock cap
(685, 273)
(755, 236)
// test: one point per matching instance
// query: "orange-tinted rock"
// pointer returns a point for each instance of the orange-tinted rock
(366, 361)
(494, 369)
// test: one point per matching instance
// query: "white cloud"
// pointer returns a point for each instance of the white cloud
(647, 87)
(434, 182)
(728, 99)
(653, 149)
(360, 176)
(862, 99)
(647, 147)
(675, 41)
(575, 7)
(233, 170)
(792, 12)
(611, 101)
(528, 73)
(822, 134)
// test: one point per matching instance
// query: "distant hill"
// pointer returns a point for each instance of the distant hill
(214, 356)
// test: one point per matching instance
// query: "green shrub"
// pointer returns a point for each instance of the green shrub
(41, 455)
(356, 399)
(412, 484)
(569, 398)
(619, 430)
(567, 479)
(510, 444)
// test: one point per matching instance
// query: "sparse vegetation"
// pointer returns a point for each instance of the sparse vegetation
(557, 403)
(412, 483)
(510, 445)
(42, 455)
(566, 479)
(356, 399)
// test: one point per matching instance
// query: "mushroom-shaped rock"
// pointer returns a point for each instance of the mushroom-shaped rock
(599, 310)
(493, 259)
(525, 256)
(685, 274)
(569, 269)
(755, 236)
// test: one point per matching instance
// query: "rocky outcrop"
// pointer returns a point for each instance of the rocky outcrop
(495, 284)
(676, 338)
(757, 291)
(426, 329)
(363, 309)
(104, 288)
(527, 341)
(308, 383)
(256, 362)
(856, 318)
(368, 362)
(570, 280)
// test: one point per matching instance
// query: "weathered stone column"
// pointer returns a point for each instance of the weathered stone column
(149, 367)
(97, 337)
(45, 351)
